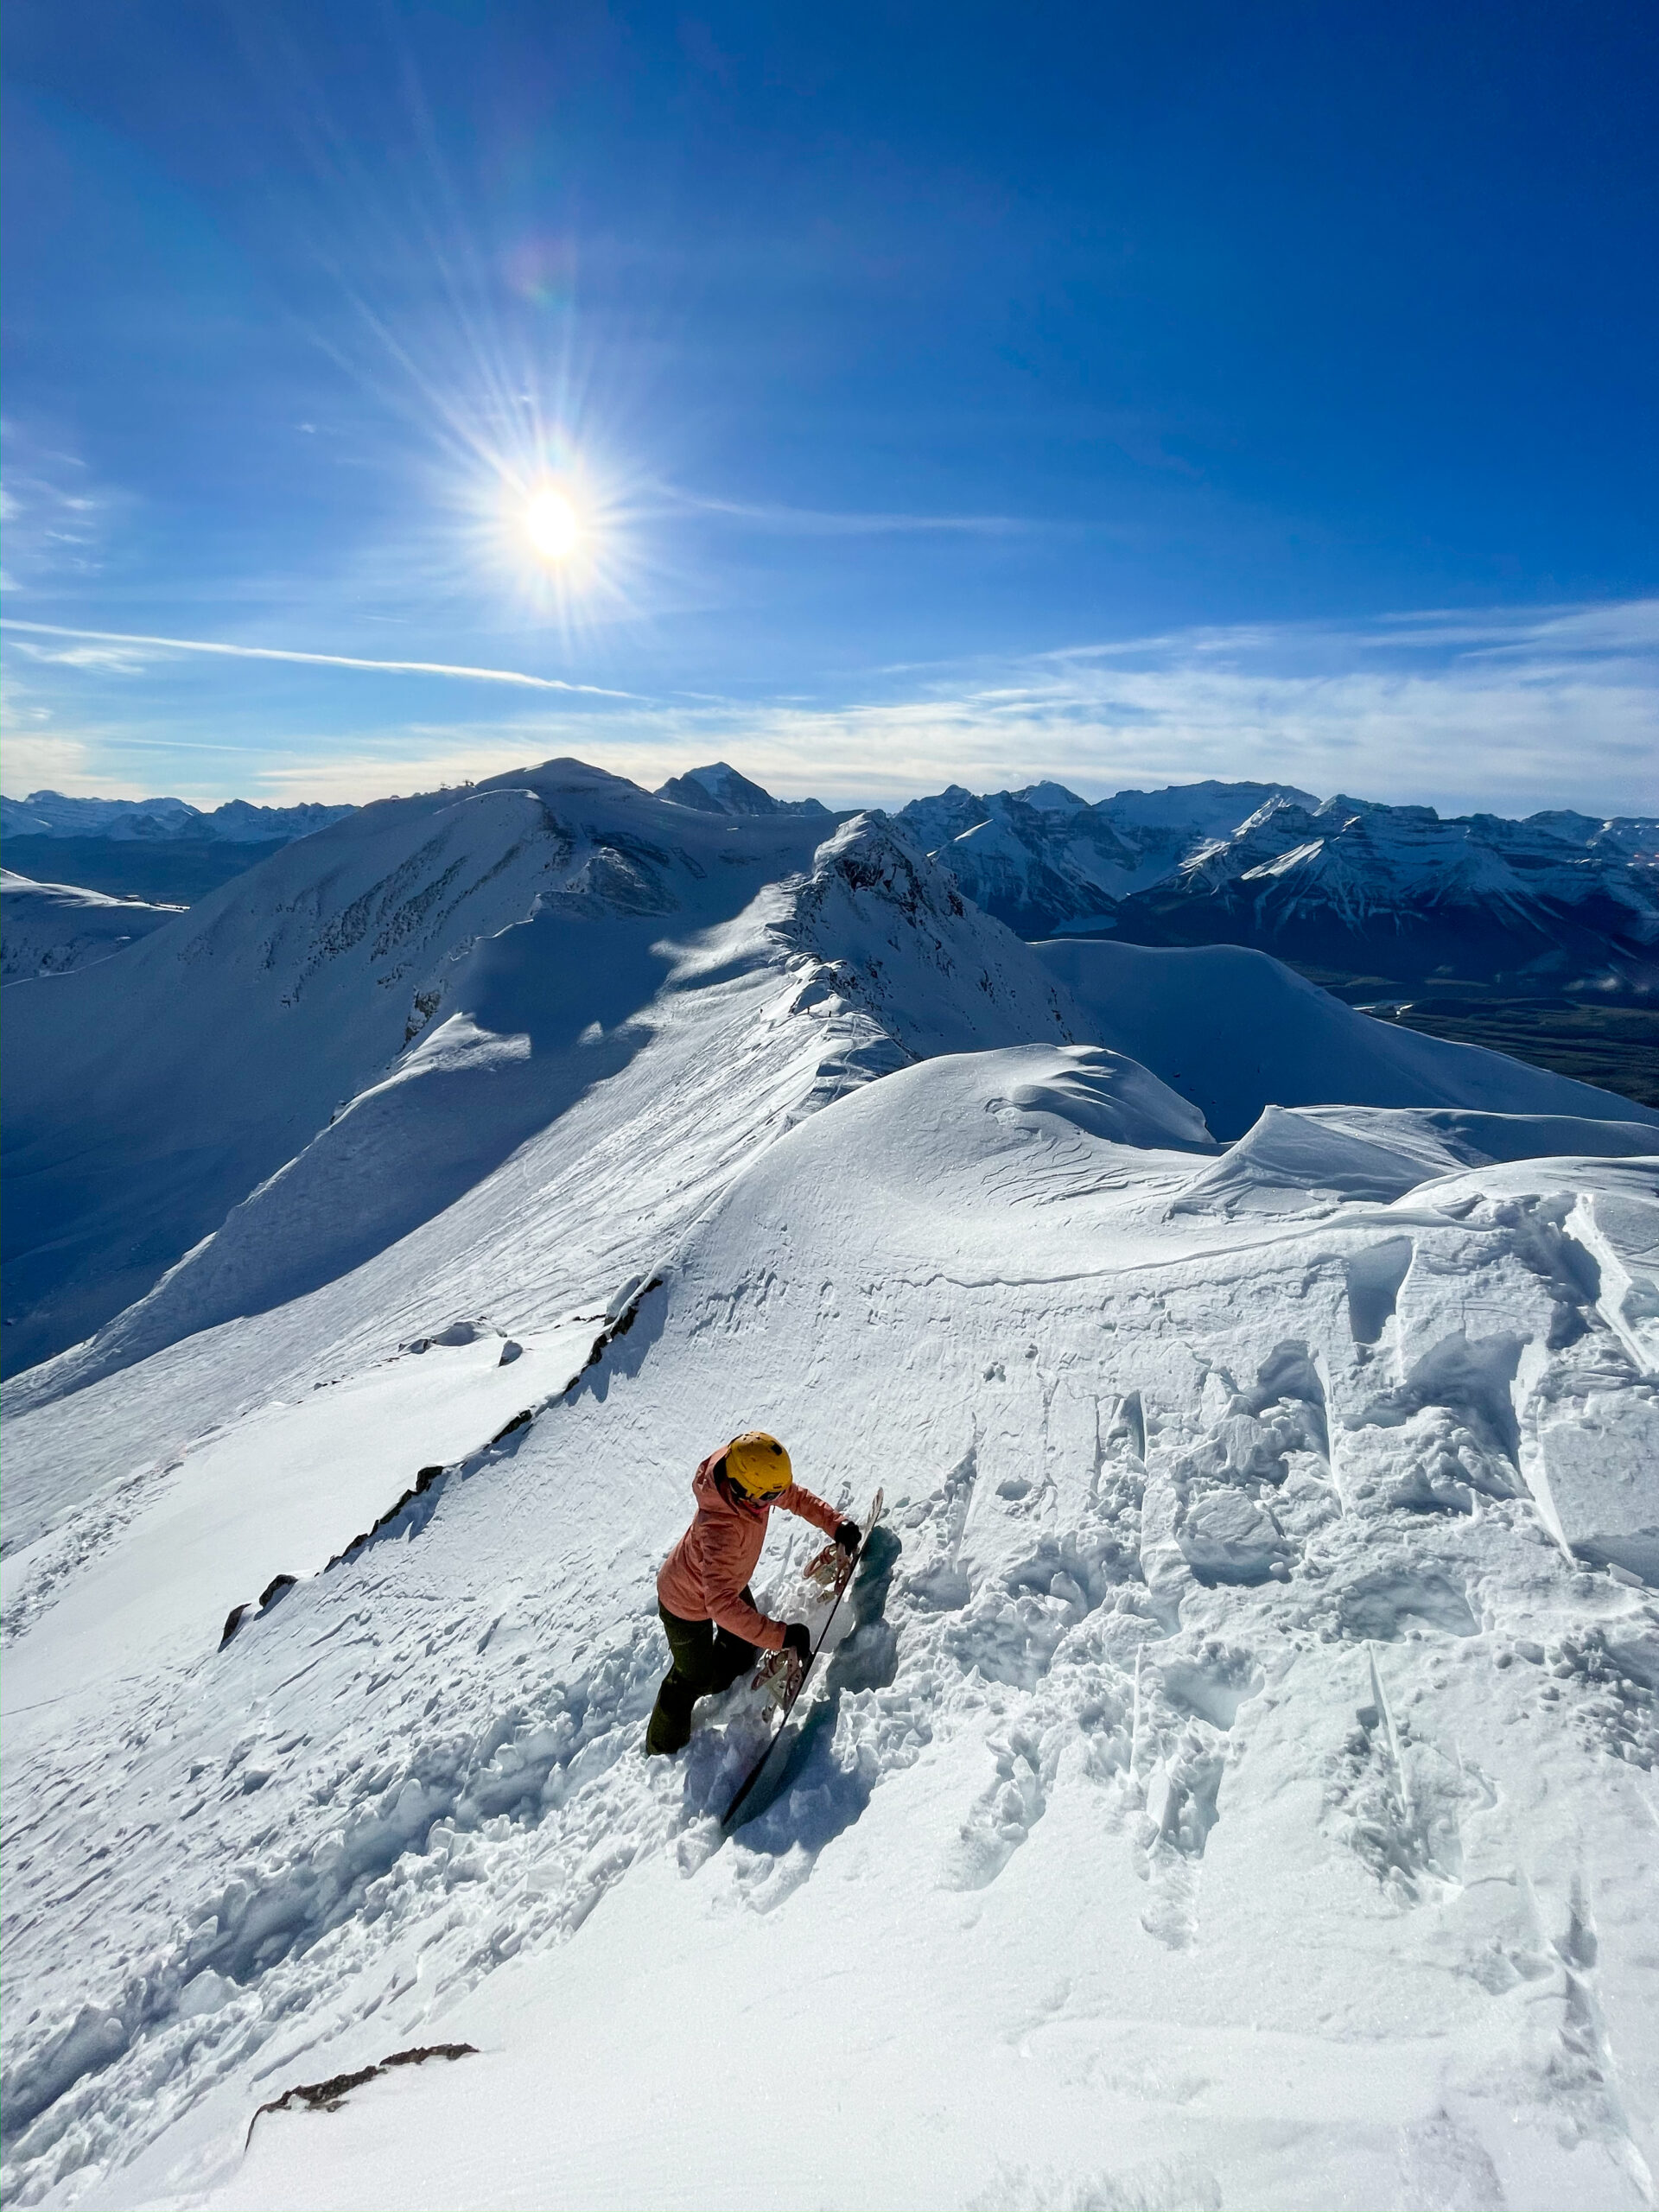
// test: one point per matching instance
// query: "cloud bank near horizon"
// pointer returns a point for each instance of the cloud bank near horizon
(1507, 709)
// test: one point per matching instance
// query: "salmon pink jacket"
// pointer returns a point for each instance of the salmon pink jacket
(704, 1576)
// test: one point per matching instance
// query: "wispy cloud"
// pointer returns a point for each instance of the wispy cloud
(816, 522)
(113, 660)
(308, 660)
(1626, 626)
(1417, 707)
(37, 761)
(57, 520)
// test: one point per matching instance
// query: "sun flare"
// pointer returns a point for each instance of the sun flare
(552, 524)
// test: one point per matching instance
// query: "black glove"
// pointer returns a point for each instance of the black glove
(849, 1536)
(797, 1640)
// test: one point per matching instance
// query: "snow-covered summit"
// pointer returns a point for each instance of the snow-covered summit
(719, 789)
(385, 1011)
(229, 1042)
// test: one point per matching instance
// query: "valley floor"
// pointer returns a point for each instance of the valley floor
(1614, 1045)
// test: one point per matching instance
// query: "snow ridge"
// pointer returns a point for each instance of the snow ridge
(46, 929)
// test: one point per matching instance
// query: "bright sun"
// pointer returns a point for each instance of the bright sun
(552, 524)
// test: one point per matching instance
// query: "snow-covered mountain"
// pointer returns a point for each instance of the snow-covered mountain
(1231, 1785)
(1557, 899)
(47, 928)
(719, 789)
(49, 814)
(386, 1011)
(1043, 859)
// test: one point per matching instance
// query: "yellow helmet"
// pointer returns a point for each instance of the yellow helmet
(758, 1464)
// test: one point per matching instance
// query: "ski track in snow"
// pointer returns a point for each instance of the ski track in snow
(338, 1881)
(1257, 1646)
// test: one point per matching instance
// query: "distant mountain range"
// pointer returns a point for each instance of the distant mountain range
(163, 850)
(1556, 903)
(156, 821)
(1043, 861)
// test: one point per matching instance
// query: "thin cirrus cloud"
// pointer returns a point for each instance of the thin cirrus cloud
(113, 660)
(1611, 630)
(117, 638)
(1510, 735)
(1415, 708)
(816, 522)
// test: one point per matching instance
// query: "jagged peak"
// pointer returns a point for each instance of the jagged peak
(1048, 798)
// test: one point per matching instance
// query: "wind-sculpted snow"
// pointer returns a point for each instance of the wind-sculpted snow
(1230, 1719)
(1231, 1781)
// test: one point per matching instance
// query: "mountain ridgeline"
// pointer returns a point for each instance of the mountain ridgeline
(1387, 896)
(260, 1092)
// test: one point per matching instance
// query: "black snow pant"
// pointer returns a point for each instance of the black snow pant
(707, 1658)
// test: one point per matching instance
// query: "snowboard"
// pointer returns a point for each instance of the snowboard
(781, 1677)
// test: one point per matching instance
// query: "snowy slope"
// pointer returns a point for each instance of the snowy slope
(140, 1109)
(1234, 1790)
(45, 928)
(1236, 1786)
(603, 1074)
(1236, 1031)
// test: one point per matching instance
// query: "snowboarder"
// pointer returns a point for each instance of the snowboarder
(714, 1629)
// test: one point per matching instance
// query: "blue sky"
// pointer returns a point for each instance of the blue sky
(939, 393)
